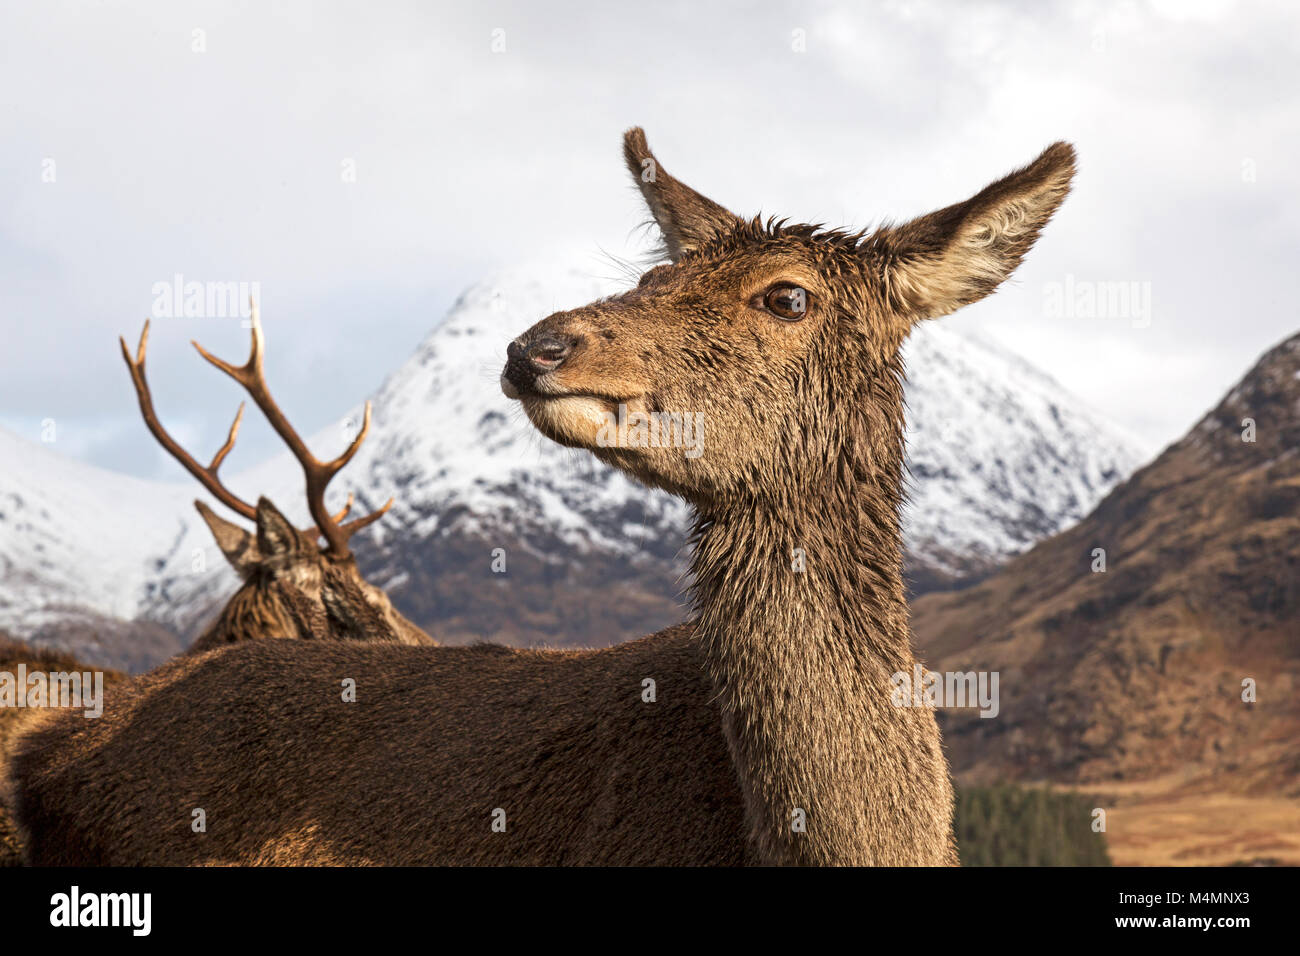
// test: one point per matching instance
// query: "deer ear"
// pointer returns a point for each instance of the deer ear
(950, 258)
(276, 536)
(239, 546)
(686, 219)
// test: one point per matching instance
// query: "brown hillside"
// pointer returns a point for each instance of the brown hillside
(1136, 674)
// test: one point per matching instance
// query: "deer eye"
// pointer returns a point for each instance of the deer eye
(787, 302)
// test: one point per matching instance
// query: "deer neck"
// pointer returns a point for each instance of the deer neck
(803, 620)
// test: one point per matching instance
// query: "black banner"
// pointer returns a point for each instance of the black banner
(960, 906)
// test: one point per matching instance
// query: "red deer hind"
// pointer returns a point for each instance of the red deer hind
(761, 732)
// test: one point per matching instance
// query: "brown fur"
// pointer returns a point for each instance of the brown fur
(437, 739)
(13, 721)
(775, 701)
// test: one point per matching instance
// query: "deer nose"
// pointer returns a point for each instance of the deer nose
(527, 358)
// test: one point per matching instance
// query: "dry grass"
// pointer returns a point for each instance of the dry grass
(1161, 824)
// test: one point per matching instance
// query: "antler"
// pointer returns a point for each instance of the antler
(206, 476)
(252, 377)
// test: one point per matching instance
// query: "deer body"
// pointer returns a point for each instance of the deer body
(561, 742)
(764, 732)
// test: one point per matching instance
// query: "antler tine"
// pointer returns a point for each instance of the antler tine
(338, 463)
(206, 476)
(224, 450)
(252, 376)
(347, 506)
(356, 524)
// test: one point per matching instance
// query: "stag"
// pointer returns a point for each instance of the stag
(292, 587)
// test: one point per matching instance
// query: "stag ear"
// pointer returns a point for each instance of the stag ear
(686, 219)
(276, 537)
(239, 546)
(936, 264)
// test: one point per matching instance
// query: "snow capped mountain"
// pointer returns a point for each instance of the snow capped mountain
(999, 454)
(78, 546)
(1000, 457)
(73, 529)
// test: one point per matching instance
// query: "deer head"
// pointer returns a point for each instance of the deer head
(780, 341)
(298, 583)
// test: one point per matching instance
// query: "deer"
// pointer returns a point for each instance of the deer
(762, 731)
(292, 587)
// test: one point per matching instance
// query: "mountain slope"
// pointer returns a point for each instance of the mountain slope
(1136, 673)
(1000, 456)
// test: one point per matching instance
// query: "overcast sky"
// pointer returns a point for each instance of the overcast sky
(364, 162)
